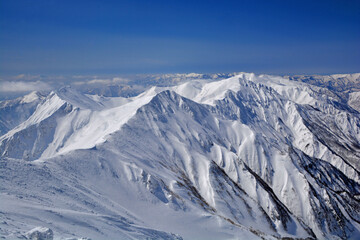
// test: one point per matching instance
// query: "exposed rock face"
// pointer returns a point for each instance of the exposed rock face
(40, 233)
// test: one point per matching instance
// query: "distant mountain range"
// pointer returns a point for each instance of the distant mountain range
(193, 156)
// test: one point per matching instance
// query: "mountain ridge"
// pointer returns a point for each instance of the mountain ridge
(236, 154)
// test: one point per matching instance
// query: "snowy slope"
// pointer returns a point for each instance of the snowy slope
(244, 157)
(14, 112)
(354, 100)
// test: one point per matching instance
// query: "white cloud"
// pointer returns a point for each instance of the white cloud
(94, 81)
(20, 76)
(106, 81)
(99, 81)
(120, 80)
(27, 77)
(83, 76)
(23, 86)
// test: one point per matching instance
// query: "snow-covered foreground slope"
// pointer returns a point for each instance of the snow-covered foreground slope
(246, 157)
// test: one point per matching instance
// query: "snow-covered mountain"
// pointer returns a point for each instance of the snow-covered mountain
(345, 86)
(14, 112)
(245, 157)
(337, 82)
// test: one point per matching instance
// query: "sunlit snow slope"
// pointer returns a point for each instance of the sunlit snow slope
(247, 157)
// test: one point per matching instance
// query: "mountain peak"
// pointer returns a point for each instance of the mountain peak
(247, 156)
(77, 99)
(31, 97)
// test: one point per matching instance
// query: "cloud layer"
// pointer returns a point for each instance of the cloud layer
(23, 86)
(106, 81)
(15, 86)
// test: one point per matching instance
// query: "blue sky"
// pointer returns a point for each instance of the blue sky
(125, 37)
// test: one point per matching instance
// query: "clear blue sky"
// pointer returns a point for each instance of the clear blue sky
(107, 37)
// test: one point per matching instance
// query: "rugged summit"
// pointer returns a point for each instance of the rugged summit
(245, 157)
